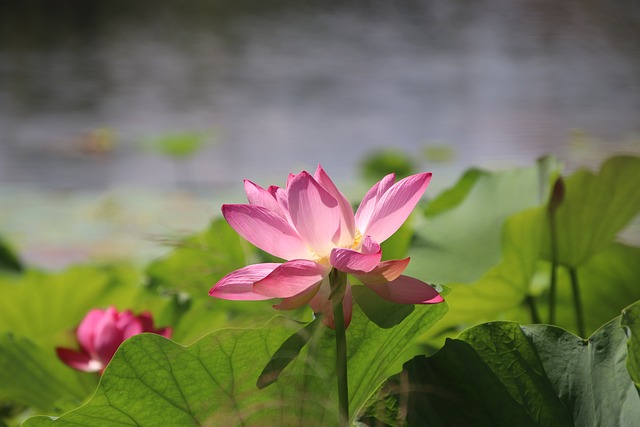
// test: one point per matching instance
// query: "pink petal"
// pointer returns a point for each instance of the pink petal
(384, 272)
(86, 330)
(79, 360)
(299, 300)
(107, 337)
(314, 212)
(347, 224)
(407, 290)
(133, 328)
(281, 197)
(258, 196)
(273, 189)
(165, 332)
(124, 319)
(146, 321)
(266, 230)
(322, 304)
(368, 204)
(289, 179)
(355, 262)
(290, 278)
(395, 206)
(238, 285)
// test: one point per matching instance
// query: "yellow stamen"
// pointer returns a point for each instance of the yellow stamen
(357, 240)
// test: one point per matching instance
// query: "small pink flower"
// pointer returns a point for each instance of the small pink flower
(100, 334)
(311, 225)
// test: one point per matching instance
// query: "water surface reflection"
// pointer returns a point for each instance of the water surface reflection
(289, 85)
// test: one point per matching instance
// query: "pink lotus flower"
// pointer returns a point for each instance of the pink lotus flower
(311, 225)
(100, 334)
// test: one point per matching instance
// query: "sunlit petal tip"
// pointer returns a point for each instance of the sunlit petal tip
(257, 195)
(384, 272)
(266, 229)
(314, 212)
(347, 230)
(290, 279)
(354, 262)
(369, 201)
(407, 290)
(238, 285)
(395, 206)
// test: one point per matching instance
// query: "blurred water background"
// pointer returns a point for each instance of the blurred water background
(86, 88)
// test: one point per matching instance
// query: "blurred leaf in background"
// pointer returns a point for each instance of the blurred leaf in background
(179, 145)
(383, 162)
(439, 152)
(9, 261)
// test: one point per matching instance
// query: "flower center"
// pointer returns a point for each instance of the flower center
(357, 240)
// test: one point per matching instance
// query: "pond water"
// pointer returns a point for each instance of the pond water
(282, 85)
(285, 85)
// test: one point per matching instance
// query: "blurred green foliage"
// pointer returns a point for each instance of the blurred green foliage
(179, 145)
(386, 161)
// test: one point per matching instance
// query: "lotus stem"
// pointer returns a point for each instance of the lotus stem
(555, 200)
(338, 285)
(553, 287)
(533, 310)
(577, 302)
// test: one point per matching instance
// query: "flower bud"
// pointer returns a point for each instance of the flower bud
(100, 334)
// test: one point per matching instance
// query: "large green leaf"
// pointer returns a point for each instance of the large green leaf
(152, 380)
(631, 322)
(500, 373)
(596, 207)
(32, 375)
(462, 240)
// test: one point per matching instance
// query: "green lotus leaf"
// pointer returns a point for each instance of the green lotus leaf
(501, 373)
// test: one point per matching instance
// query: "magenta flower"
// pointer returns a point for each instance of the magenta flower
(311, 225)
(100, 334)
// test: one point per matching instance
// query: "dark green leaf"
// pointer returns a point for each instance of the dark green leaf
(286, 353)
(32, 375)
(500, 373)
(8, 259)
(631, 322)
(383, 313)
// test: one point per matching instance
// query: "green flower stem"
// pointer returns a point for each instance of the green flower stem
(533, 310)
(553, 288)
(577, 302)
(338, 286)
